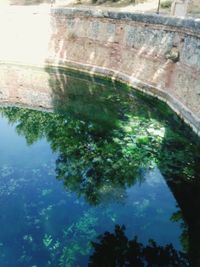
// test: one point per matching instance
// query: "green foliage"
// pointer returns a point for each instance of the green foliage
(180, 158)
(166, 3)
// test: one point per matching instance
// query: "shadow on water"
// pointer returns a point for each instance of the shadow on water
(106, 136)
(182, 173)
(115, 249)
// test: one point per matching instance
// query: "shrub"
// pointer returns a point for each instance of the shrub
(166, 3)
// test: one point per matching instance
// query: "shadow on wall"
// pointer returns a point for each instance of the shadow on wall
(134, 50)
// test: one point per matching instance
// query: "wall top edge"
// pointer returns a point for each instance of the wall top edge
(190, 24)
(185, 23)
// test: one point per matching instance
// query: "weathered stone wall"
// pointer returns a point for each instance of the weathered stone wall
(194, 6)
(26, 86)
(160, 55)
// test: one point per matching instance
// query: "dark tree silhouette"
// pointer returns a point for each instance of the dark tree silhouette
(115, 250)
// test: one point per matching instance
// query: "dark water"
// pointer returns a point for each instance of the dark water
(110, 178)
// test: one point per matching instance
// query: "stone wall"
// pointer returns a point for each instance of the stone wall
(194, 6)
(159, 55)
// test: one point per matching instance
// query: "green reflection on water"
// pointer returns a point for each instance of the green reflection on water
(106, 137)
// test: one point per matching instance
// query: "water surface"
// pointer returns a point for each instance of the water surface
(108, 178)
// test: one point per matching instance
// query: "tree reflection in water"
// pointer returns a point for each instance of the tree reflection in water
(105, 139)
(116, 250)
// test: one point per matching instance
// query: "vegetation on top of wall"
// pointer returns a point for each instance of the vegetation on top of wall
(166, 3)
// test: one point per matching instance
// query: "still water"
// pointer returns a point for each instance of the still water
(107, 178)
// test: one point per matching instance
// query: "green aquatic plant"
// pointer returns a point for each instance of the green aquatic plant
(28, 238)
(46, 192)
(73, 242)
(6, 171)
(47, 240)
(77, 239)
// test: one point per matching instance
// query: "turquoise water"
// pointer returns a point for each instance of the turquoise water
(79, 184)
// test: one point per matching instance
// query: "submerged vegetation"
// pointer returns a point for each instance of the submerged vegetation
(105, 138)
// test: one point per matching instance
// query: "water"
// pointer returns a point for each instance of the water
(92, 182)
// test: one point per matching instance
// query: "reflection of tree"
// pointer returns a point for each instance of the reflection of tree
(178, 217)
(104, 141)
(179, 159)
(102, 136)
(115, 250)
